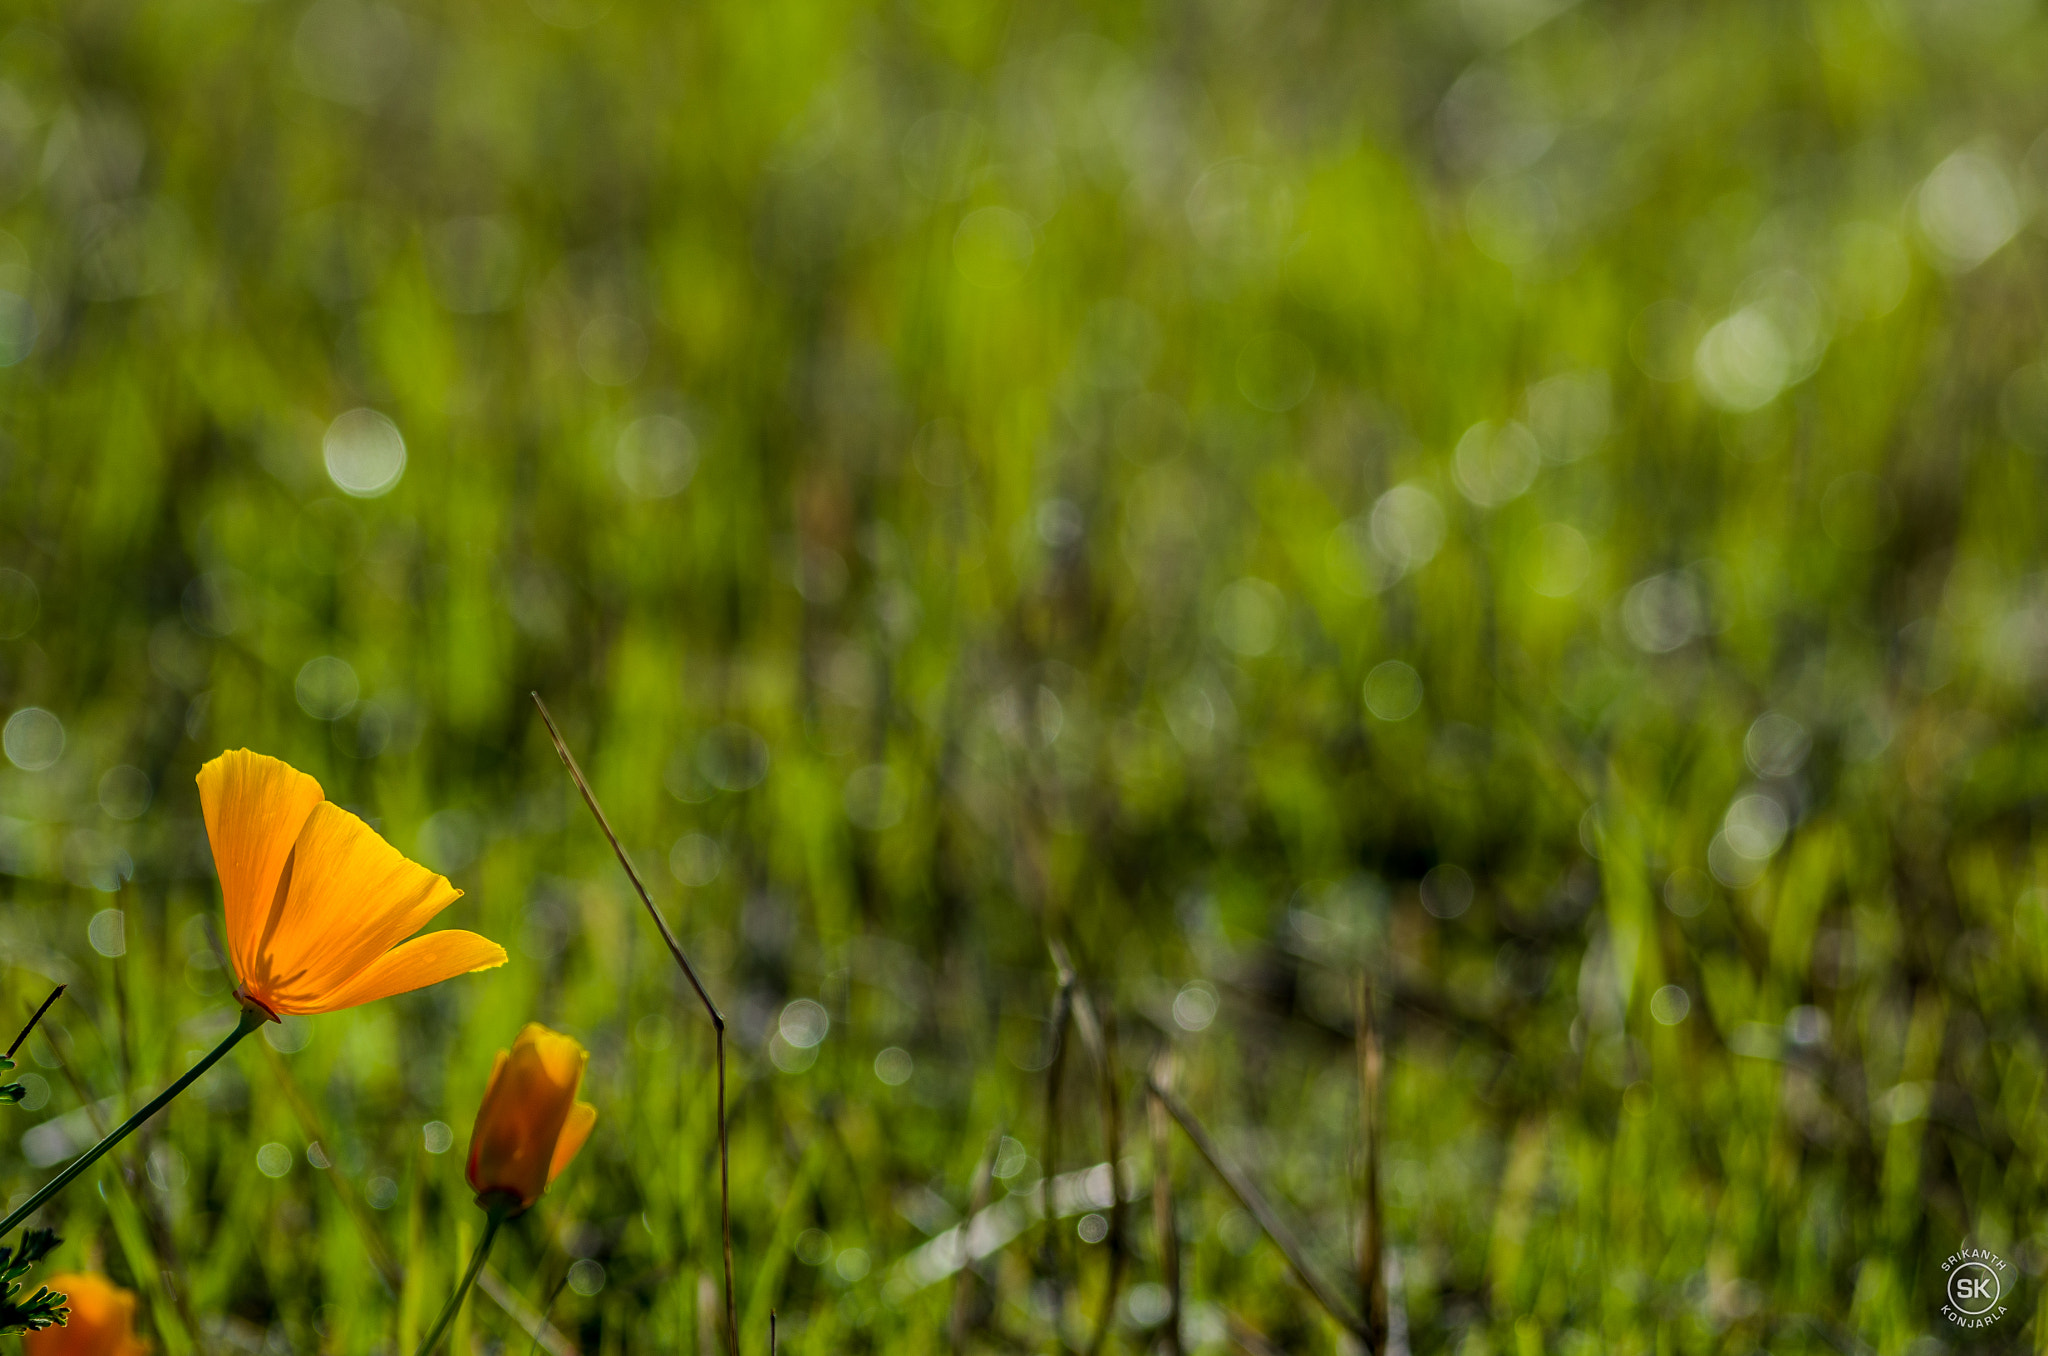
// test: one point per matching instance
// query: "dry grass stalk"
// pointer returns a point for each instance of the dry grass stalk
(963, 1285)
(1163, 1223)
(1049, 1261)
(675, 949)
(1098, 1035)
(1255, 1203)
(1372, 1277)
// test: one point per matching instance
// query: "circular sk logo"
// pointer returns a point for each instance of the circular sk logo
(1974, 1284)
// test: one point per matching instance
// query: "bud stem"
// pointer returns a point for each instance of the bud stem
(251, 1019)
(500, 1209)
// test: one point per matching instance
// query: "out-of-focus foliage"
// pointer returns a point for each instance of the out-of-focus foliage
(1542, 502)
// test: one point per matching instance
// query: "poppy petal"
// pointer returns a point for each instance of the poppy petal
(560, 1060)
(350, 898)
(414, 965)
(575, 1130)
(476, 1140)
(254, 808)
(497, 1072)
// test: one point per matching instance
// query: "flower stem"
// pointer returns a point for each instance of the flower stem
(251, 1019)
(496, 1213)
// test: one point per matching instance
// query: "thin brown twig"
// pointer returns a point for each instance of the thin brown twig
(1056, 1035)
(55, 994)
(1254, 1201)
(1113, 1125)
(1372, 1277)
(1098, 1035)
(963, 1284)
(1163, 1221)
(675, 948)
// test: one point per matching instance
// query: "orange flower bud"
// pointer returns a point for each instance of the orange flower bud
(102, 1321)
(530, 1124)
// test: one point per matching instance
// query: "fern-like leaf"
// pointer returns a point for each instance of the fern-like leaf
(43, 1309)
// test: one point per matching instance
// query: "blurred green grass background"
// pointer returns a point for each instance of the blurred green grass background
(1541, 502)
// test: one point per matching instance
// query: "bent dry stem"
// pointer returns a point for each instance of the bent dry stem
(1372, 1277)
(1164, 1223)
(675, 949)
(1098, 1037)
(251, 1019)
(1250, 1198)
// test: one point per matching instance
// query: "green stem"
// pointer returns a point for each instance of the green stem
(496, 1213)
(251, 1019)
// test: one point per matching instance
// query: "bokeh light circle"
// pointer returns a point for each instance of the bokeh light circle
(364, 453)
(33, 739)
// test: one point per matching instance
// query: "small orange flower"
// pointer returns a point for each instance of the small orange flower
(102, 1321)
(530, 1124)
(318, 906)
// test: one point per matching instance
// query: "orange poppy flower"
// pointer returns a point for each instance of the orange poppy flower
(530, 1124)
(318, 906)
(102, 1321)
